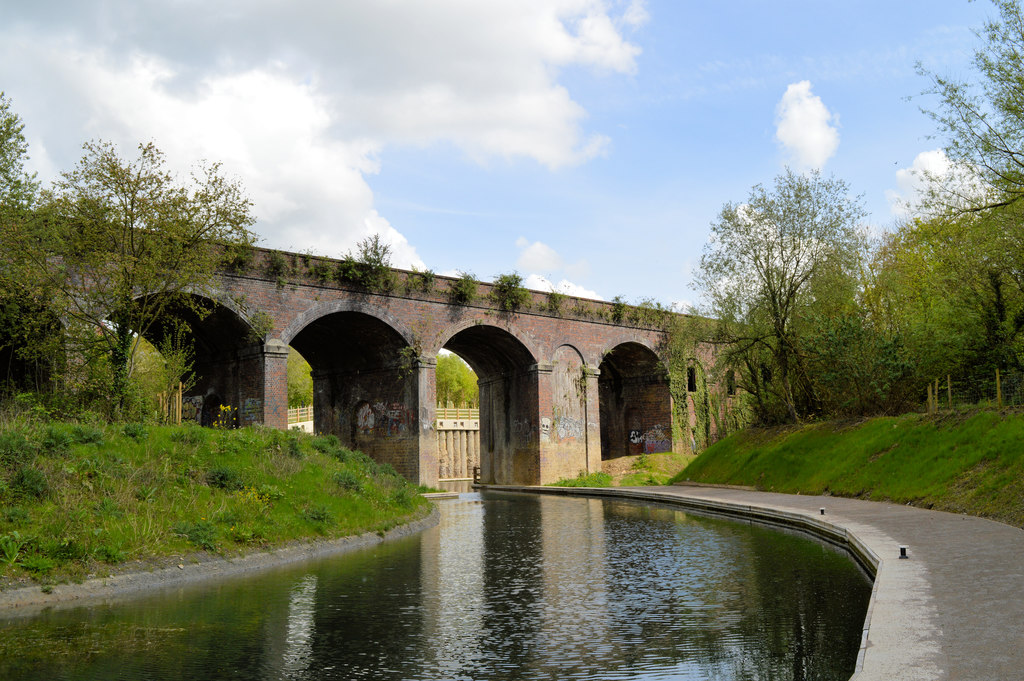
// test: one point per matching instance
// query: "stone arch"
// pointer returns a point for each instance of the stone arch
(228, 359)
(328, 307)
(507, 372)
(635, 401)
(366, 382)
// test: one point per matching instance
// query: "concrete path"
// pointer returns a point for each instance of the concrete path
(954, 609)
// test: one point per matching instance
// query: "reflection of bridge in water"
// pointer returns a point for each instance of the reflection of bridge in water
(561, 386)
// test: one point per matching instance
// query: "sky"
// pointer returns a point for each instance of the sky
(586, 144)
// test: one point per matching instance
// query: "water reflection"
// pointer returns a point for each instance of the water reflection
(506, 587)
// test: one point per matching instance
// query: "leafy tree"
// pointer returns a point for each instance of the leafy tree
(456, 382)
(17, 187)
(770, 263)
(984, 122)
(116, 245)
(300, 381)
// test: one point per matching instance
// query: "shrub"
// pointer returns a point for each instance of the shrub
(420, 281)
(224, 478)
(317, 514)
(508, 293)
(462, 291)
(87, 435)
(202, 533)
(55, 441)
(30, 482)
(555, 300)
(619, 309)
(15, 449)
(135, 431)
(348, 481)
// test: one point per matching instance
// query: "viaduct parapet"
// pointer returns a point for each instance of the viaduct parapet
(564, 382)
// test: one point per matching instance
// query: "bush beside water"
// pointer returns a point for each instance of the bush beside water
(77, 498)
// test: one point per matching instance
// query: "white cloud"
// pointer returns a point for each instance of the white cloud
(537, 256)
(298, 99)
(538, 283)
(932, 171)
(805, 127)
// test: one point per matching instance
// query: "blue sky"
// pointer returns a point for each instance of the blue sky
(587, 142)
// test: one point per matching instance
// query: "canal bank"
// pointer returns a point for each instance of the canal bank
(199, 567)
(951, 610)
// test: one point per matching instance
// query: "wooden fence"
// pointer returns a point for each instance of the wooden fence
(458, 438)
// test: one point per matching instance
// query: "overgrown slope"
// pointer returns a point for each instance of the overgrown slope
(965, 462)
(80, 500)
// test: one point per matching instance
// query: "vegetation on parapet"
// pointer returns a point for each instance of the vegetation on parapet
(82, 499)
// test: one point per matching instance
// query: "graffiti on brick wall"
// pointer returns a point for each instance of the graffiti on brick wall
(192, 408)
(654, 440)
(365, 419)
(569, 428)
(385, 419)
(252, 409)
(545, 429)
(522, 430)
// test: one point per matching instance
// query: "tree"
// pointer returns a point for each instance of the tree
(300, 381)
(116, 245)
(769, 263)
(984, 122)
(17, 187)
(456, 382)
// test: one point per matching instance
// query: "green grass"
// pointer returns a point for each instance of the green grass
(585, 480)
(964, 462)
(77, 500)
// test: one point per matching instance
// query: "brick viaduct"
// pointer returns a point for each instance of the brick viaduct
(560, 389)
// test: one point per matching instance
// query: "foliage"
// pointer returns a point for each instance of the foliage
(554, 302)
(369, 267)
(772, 261)
(300, 380)
(18, 188)
(983, 122)
(462, 291)
(456, 382)
(422, 281)
(508, 293)
(116, 245)
(619, 308)
(110, 497)
(585, 479)
(856, 370)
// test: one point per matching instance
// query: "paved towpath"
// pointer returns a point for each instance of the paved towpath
(954, 609)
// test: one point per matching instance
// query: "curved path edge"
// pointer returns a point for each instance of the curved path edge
(953, 609)
(28, 601)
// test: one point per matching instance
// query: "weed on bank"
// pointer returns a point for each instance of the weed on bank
(77, 500)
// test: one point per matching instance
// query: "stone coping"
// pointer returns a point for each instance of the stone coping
(954, 609)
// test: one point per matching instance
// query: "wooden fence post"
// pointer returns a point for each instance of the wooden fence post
(949, 391)
(999, 390)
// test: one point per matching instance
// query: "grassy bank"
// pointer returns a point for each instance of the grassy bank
(83, 500)
(965, 462)
(631, 471)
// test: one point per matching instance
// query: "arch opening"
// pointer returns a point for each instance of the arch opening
(366, 387)
(227, 369)
(508, 391)
(635, 403)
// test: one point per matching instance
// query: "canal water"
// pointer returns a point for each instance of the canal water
(506, 587)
